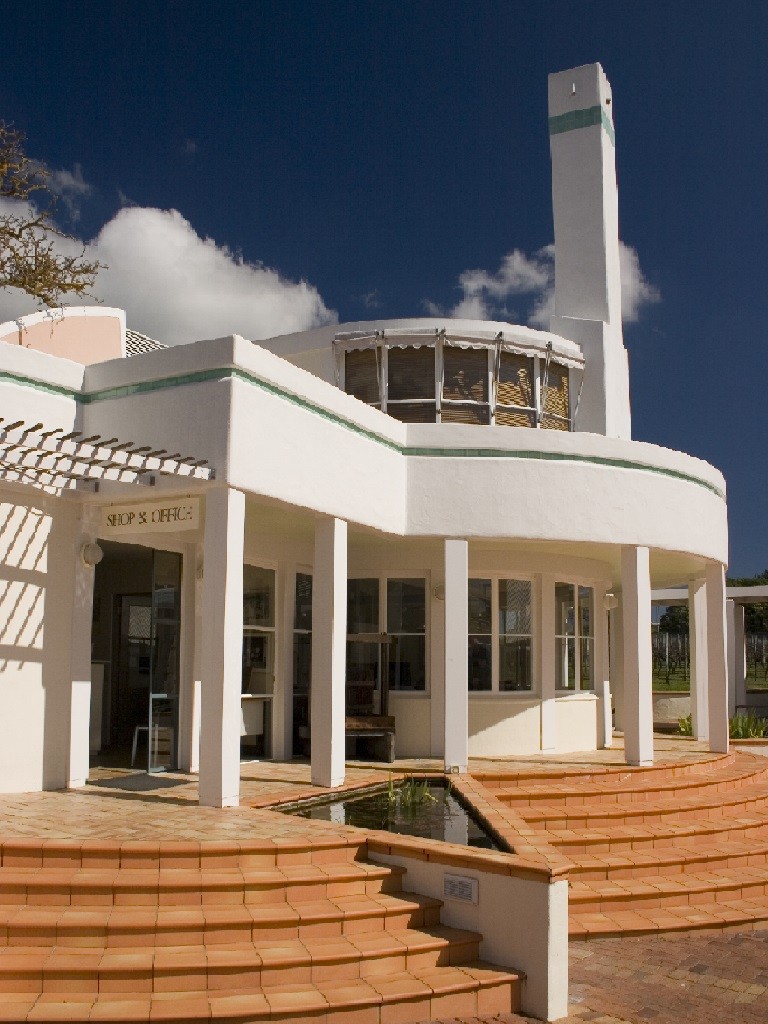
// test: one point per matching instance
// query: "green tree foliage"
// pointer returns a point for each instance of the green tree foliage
(29, 238)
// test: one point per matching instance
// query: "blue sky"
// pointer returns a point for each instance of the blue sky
(376, 151)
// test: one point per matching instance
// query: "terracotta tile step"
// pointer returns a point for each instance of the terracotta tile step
(204, 856)
(688, 889)
(494, 779)
(627, 789)
(232, 967)
(682, 809)
(468, 990)
(735, 914)
(728, 853)
(163, 926)
(181, 886)
(667, 834)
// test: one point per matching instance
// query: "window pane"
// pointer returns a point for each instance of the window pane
(361, 375)
(407, 663)
(586, 664)
(258, 596)
(302, 616)
(554, 396)
(363, 606)
(479, 606)
(565, 663)
(465, 374)
(479, 663)
(465, 414)
(411, 373)
(515, 384)
(302, 662)
(413, 412)
(363, 696)
(258, 662)
(514, 663)
(406, 606)
(565, 616)
(585, 611)
(514, 607)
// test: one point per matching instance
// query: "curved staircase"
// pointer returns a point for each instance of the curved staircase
(664, 848)
(239, 932)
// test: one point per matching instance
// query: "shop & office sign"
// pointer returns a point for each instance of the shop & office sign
(170, 516)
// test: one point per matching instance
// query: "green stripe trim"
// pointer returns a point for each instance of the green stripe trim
(583, 118)
(225, 374)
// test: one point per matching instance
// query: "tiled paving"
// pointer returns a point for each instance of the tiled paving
(124, 904)
(691, 979)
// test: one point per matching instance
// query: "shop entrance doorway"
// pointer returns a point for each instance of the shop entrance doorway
(136, 635)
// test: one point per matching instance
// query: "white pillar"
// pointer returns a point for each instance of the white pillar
(456, 748)
(222, 647)
(737, 665)
(697, 636)
(547, 676)
(80, 658)
(329, 652)
(717, 671)
(638, 662)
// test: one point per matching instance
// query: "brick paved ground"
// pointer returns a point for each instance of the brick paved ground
(721, 978)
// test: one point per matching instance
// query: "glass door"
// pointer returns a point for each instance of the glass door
(164, 661)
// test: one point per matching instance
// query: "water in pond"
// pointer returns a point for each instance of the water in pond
(441, 817)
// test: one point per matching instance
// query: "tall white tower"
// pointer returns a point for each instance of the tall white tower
(586, 216)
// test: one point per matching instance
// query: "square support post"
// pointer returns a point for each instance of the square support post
(697, 634)
(78, 760)
(456, 746)
(329, 652)
(547, 644)
(638, 661)
(717, 670)
(222, 648)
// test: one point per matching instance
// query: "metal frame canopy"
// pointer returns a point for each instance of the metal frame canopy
(53, 459)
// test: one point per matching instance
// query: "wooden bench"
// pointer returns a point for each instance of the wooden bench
(374, 727)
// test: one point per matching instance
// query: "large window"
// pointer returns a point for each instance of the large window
(514, 635)
(258, 630)
(394, 606)
(406, 623)
(574, 637)
(460, 381)
(500, 621)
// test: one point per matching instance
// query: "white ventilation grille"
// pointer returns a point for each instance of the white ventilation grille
(460, 887)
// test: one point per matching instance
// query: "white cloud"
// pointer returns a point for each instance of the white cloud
(178, 287)
(484, 294)
(71, 187)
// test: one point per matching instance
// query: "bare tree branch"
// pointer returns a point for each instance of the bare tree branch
(29, 259)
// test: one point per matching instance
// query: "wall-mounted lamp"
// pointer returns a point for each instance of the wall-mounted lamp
(610, 601)
(439, 591)
(91, 553)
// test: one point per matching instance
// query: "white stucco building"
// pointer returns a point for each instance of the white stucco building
(444, 523)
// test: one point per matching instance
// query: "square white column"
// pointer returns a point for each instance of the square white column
(546, 641)
(717, 670)
(456, 747)
(697, 637)
(638, 661)
(78, 761)
(222, 648)
(329, 652)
